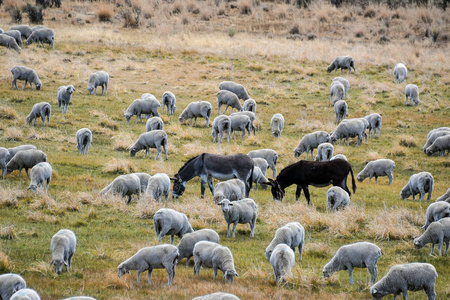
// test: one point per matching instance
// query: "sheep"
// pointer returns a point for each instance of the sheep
(339, 156)
(140, 106)
(41, 109)
(441, 144)
(250, 114)
(374, 123)
(149, 258)
(344, 82)
(291, 234)
(261, 163)
(349, 128)
(41, 36)
(243, 211)
(419, 183)
(258, 177)
(27, 74)
(151, 139)
(63, 246)
(236, 88)
(195, 110)
(99, 78)
(11, 283)
(220, 125)
(15, 34)
(337, 91)
(229, 99)
(232, 189)
(269, 155)
(249, 105)
(240, 123)
(25, 160)
(188, 241)
(9, 42)
(412, 91)
(215, 256)
(436, 130)
(25, 294)
(445, 197)
(124, 185)
(40, 173)
(24, 30)
(84, 140)
(404, 278)
(282, 261)
(324, 152)
(337, 198)
(38, 27)
(436, 211)
(169, 100)
(4, 153)
(171, 222)
(64, 97)
(13, 151)
(433, 137)
(437, 233)
(277, 124)
(341, 110)
(309, 142)
(400, 73)
(342, 62)
(217, 296)
(154, 123)
(356, 255)
(158, 185)
(143, 179)
(375, 168)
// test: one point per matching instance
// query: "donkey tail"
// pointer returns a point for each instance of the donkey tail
(353, 180)
(250, 181)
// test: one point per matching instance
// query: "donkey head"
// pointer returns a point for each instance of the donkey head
(277, 191)
(179, 185)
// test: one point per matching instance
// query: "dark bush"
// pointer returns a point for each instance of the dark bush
(16, 15)
(35, 14)
(43, 3)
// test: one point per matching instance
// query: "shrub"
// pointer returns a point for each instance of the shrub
(104, 13)
(35, 14)
(131, 17)
(294, 30)
(16, 15)
(245, 7)
(231, 31)
(369, 13)
(43, 3)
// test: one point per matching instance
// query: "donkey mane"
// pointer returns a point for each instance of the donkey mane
(187, 162)
(285, 169)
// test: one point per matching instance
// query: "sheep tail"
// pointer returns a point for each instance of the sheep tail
(208, 112)
(353, 180)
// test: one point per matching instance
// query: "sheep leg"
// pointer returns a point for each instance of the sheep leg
(48, 182)
(215, 272)
(226, 109)
(350, 274)
(228, 230)
(149, 275)
(102, 88)
(252, 226)
(172, 237)
(376, 179)
(298, 192)
(26, 85)
(218, 111)
(243, 133)
(197, 266)
(129, 199)
(187, 261)
(158, 152)
(221, 137)
(391, 178)
(300, 250)
(446, 247)
(373, 270)
(234, 229)
(421, 193)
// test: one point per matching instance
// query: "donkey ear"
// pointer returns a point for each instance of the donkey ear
(267, 183)
(51, 263)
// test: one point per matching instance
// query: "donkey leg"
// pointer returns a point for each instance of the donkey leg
(210, 184)
(203, 179)
(298, 192)
(306, 191)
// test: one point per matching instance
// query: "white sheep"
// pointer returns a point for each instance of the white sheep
(188, 241)
(99, 78)
(341, 110)
(15, 34)
(220, 125)
(9, 42)
(356, 255)
(342, 62)
(277, 124)
(169, 100)
(240, 123)
(14, 150)
(435, 212)
(437, 233)
(282, 261)
(242, 211)
(269, 155)
(158, 185)
(171, 222)
(11, 283)
(195, 110)
(445, 197)
(232, 189)
(258, 177)
(349, 128)
(149, 258)
(249, 105)
(25, 30)
(375, 168)
(217, 296)
(374, 123)
(344, 82)
(64, 97)
(124, 185)
(309, 142)
(229, 99)
(63, 246)
(441, 144)
(25, 294)
(4, 153)
(84, 140)
(143, 179)
(337, 198)
(41, 36)
(41, 109)
(291, 234)
(151, 139)
(339, 156)
(27, 74)
(40, 173)
(337, 91)
(236, 88)
(400, 73)
(412, 91)
(433, 137)
(154, 123)
(250, 114)
(25, 160)
(419, 183)
(324, 152)
(148, 107)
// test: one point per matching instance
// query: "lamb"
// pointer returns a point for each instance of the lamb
(344, 82)
(232, 189)
(217, 296)
(277, 124)
(375, 168)
(24, 30)
(124, 185)
(9, 42)
(437, 233)
(149, 258)
(433, 137)
(250, 114)
(25, 294)
(11, 283)
(158, 185)
(154, 123)
(99, 78)
(140, 106)
(195, 110)
(169, 100)
(171, 222)
(412, 91)
(269, 155)
(84, 140)
(436, 211)
(41, 36)
(349, 128)
(441, 144)
(40, 173)
(400, 72)
(337, 198)
(291, 234)
(236, 88)
(64, 97)
(25, 160)
(240, 123)
(41, 109)
(445, 197)
(309, 142)
(404, 278)
(282, 261)
(63, 246)
(220, 125)
(243, 211)
(151, 139)
(15, 34)
(249, 105)
(341, 110)
(339, 156)
(357, 255)
(229, 99)
(188, 241)
(215, 256)
(27, 74)
(13, 151)
(419, 183)
(143, 179)
(258, 177)
(342, 62)
(324, 152)
(337, 91)
(4, 153)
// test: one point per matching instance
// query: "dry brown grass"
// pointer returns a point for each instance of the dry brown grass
(6, 265)
(8, 232)
(123, 141)
(120, 166)
(37, 216)
(9, 197)
(407, 141)
(372, 155)
(394, 223)
(105, 12)
(41, 267)
(7, 112)
(397, 151)
(13, 134)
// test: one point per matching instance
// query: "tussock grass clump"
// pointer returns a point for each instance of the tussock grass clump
(43, 201)
(8, 232)
(346, 222)
(317, 250)
(16, 15)
(41, 267)
(13, 134)
(372, 155)
(119, 166)
(6, 265)
(393, 223)
(111, 281)
(396, 151)
(369, 12)
(407, 141)
(105, 12)
(123, 141)
(245, 7)
(37, 216)
(9, 197)
(35, 14)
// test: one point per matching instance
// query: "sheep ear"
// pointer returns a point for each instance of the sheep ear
(374, 291)
(219, 203)
(236, 274)
(66, 263)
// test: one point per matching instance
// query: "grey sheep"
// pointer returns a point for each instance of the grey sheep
(64, 97)
(342, 62)
(188, 241)
(242, 211)
(217, 296)
(282, 261)
(27, 74)
(291, 234)
(400, 73)
(149, 258)
(433, 136)
(25, 294)
(445, 197)
(357, 255)
(337, 198)
(215, 256)
(349, 128)
(25, 160)
(261, 163)
(339, 156)
(169, 100)
(124, 185)
(143, 179)
(375, 168)
(240, 123)
(63, 246)
(9, 42)
(374, 123)
(324, 152)
(337, 91)
(141, 106)
(220, 125)
(419, 183)
(41, 36)
(344, 82)
(16, 35)
(4, 154)
(236, 88)
(441, 144)
(436, 130)
(154, 123)
(437, 233)
(37, 27)
(99, 78)
(40, 173)
(232, 189)
(269, 155)
(13, 151)
(412, 92)
(249, 105)
(258, 177)
(24, 30)
(403, 278)
(84, 140)
(9, 284)
(277, 124)
(41, 109)
(171, 222)
(158, 185)
(229, 99)
(341, 110)
(250, 114)
(309, 142)
(151, 139)
(435, 212)
(195, 110)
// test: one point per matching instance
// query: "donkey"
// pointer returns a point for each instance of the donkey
(319, 174)
(207, 166)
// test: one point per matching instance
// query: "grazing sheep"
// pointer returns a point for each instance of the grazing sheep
(433, 137)
(337, 91)
(250, 114)
(151, 139)
(240, 123)
(154, 123)
(342, 62)
(412, 91)
(4, 153)
(64, 97)
(124, 185)
(357, 255)
(324, 152)
(220, 125)
(349, 128)
(41, 36)
(229, 99)
(445, 197)
(437, 233)
(269, 155)
(149, 258)
(158, 185)
(27, 74)
(344, 82)
(400, 73)
(249, 105)
(10, 283)
(63, 246)
(188, 241)
(215, 256)
(436, 211)
(25, 294)
(291, 234)
(84, 140)
(309, 142)
(375, 168)
(24, 30)
(441, 144)
(258, 177)
(38, 27)
(403, 278)
(9, 42)
(143, 179)
(436, 130)
(282, 261)
(232, 189)
(242, 211)
(195, 110)
(277, 124)
(99, 78)
(341, 110)
(169, 100)
(337, 198)
(374, 123)
(25, 160)
(171, 222)
(141, 106)
(339, 156)
(217, 296)
(41, 109)
(15, 34)
(419, 183)
(40, 173)
(236, 88)
(13, 151)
